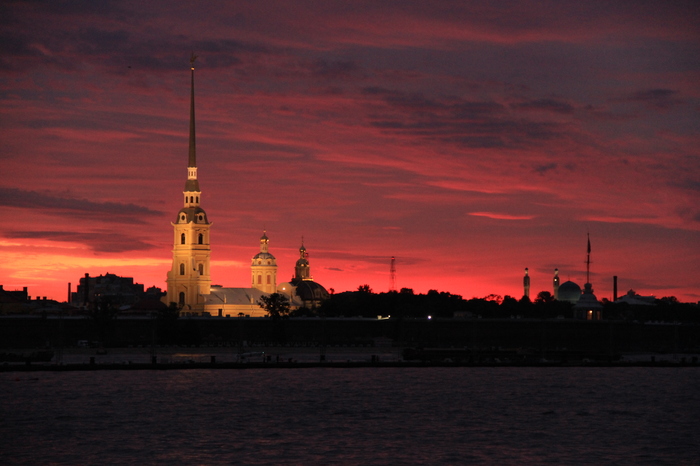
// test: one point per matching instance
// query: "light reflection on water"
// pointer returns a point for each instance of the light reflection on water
(353, 416)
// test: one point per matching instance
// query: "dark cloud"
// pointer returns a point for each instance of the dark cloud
(548, 105)
(693, 185)
(105, 241)
(334, 69)
(473, 124)
(662, 99)
(542, 169)
(62, 205)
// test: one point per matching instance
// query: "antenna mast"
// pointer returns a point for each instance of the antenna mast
(392, 274)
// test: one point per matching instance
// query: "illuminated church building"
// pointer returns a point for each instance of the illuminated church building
(189, 279)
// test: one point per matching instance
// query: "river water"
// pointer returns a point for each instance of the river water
(578, 415)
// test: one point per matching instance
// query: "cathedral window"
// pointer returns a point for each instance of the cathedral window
(181, 299)
(268, 279)
(269, 262)
(259, 279)
(182, 238)
(197, 199)
(182, 269)
(201, 269)
(201, 238)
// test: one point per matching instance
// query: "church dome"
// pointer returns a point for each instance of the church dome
(192, 214)
(309, 290)
(569, 291)
(263, 256)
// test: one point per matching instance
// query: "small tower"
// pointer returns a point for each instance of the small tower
(302, 270)
(526, 283)
(263, 268)
(189, 276)
(588, 307)
(555, 283)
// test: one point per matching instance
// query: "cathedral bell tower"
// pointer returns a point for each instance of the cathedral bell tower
(189, 276)
(263, 268)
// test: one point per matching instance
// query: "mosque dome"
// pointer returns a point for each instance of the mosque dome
(569, 291)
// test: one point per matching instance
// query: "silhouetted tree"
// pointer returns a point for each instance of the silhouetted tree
(364, 289)
(276, 305)
(544, 297)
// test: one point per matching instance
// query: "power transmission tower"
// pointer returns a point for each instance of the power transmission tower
(392, 274)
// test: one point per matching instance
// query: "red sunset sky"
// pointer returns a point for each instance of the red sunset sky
(470, 141)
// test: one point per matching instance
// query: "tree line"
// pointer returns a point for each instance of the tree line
(439, 304)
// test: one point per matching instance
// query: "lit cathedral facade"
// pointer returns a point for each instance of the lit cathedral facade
(189, 279)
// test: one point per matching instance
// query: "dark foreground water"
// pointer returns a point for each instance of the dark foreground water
(353, 416)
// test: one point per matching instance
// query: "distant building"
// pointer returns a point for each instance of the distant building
(118, 291)
(588, 307)
(633, 299)
(13, 302)
(569, 291)
(302, 290)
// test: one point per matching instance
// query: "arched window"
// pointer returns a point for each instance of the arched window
(259, 279)
(268, 279)
(182, 269)
(197, 199)
(182, 238)
(269, 262)
(181, 299)
(201, 238)
(201, 269)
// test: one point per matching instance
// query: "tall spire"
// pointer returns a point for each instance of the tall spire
(193, 152)
(588, 259)
(192, 184)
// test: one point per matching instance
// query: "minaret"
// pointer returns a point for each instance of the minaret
(526, 283)
(189, 276)
(263, 268)
(302, 270)
(555, 284)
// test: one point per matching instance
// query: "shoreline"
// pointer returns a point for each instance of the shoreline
(299, 357)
